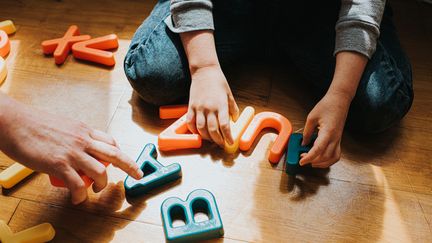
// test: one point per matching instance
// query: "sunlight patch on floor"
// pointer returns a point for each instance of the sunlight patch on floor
(393, 225)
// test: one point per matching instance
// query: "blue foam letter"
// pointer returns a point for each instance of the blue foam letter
(155, 174)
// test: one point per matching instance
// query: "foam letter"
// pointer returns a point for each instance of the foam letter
(4, 44)
(295, 149)
(87, 180)
(268, 120)
(155, 174)
(93, 50)
(3, 70)
(39, 233)
(238, 127)
(176, 137)
(172, 111)
(62, 46)
(198, 201)
(14, 174)
(7, 26)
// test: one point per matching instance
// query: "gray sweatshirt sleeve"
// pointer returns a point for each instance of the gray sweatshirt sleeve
(356, 30)
(358, 26)
(190, 15)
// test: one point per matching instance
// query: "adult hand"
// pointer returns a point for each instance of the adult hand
(60, 146)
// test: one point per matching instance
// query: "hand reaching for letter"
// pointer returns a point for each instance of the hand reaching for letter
(328, 116)
(210, 105)
(60, 147)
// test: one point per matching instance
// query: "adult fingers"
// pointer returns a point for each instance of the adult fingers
(113, 155)
(201, 125)
(191, 121)
(224, 125)
(213, 129)
(103, 137)
(75, 184)
(320, 145)
(95, 170)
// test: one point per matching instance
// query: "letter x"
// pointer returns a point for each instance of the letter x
(62, 46)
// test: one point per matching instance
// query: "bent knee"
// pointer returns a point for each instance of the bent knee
(376, 112)
(158, 90)
(155, 86)
(159, 77)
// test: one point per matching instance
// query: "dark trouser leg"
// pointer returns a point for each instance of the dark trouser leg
(385, 92)
(156, 64)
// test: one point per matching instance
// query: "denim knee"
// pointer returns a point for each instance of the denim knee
(157, 70)
(377, 116)
(381, 101)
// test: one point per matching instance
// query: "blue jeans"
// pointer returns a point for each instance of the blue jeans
(157, 67)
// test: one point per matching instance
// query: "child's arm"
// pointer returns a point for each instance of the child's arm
(357, 31)
(59, 146)
(330, 113)
(210, 102)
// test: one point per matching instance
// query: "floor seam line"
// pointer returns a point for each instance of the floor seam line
(116, 109)
(13, 214)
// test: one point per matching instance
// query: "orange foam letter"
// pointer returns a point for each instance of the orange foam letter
(4, 44)
(87, 180)
(172, 111)
(13, 175)
(176, 137)
(238, 127)
(3, 70)
(93, 50)
(268, 120)
(62, 46)
(7, 26)
(39, 233)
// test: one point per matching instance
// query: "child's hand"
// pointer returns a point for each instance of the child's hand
(60, 147)
(328, 116)
(210, 105)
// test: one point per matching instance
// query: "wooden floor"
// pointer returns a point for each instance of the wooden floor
(381, 190)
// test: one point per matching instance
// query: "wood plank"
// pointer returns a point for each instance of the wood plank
(379, 191)
(73, 225)
(425, 202)
(8, 206)
(346, 210)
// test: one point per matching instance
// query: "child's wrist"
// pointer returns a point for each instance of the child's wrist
(198, 67)
(344, 96)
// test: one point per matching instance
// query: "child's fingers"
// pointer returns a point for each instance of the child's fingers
(322, 165)
(320, 145)
(75, 184)
(224, 124)
(113, 155)
(233, 108)
(327, 158)
(201, 125)
(213, 129)
(191, 121)
(95, 170)
(309, 129)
